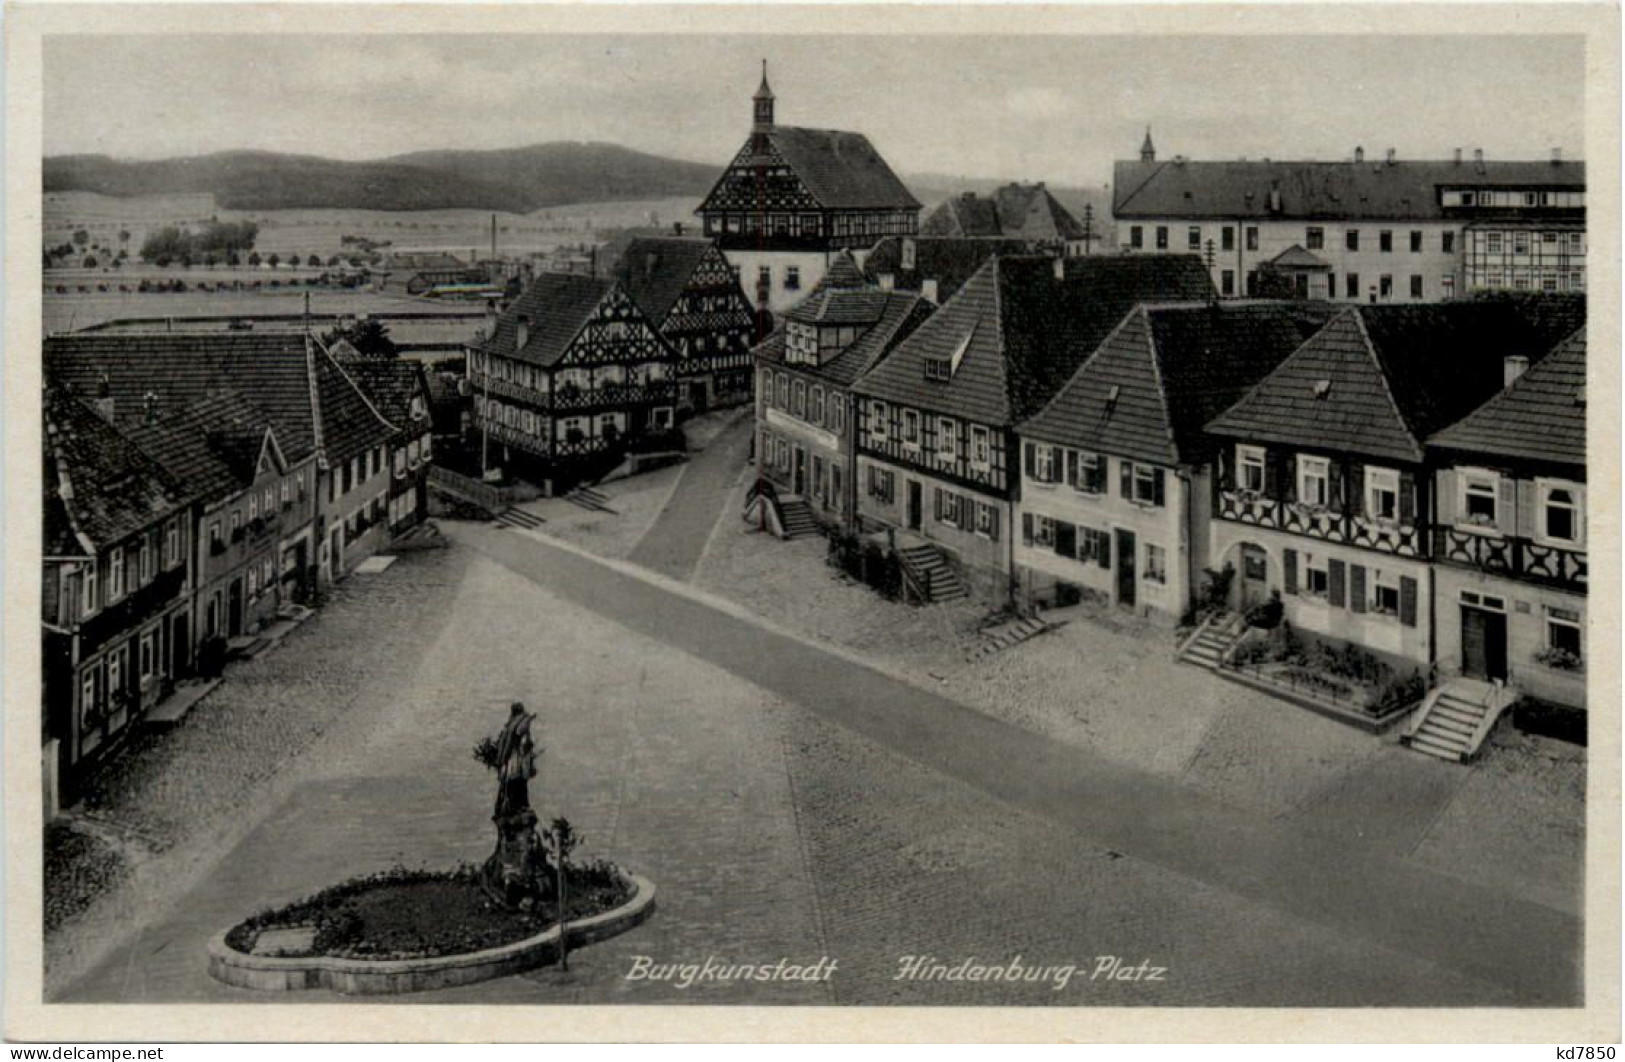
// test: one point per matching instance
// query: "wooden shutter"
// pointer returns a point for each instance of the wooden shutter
(1125, 479)
(1506, 506)
(1444, 497)
(1104, 539)
(1289, 562)
(1357, 489)
(1272, 475)
(993, 523)
(936, 503)
(1407, 601)
(1072, 469)
(1227, 476)
(1157, 491)
(1289, 477)
(1029, 456)
(1407, 498)
(1335, 571)
(1334, 485)
(1357, 587)
(1026, 529)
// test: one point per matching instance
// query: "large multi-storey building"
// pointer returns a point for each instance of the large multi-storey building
(398, 388)
(691, 293)
(936, 419)
(1025, 212)
(793, 198)
(936, 266)
(1385, 230)
(1115, 476)
(804, 408)
(1324, 483)
(572, 377)
(1510, 533)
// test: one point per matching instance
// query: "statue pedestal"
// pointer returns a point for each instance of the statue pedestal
(516, 874)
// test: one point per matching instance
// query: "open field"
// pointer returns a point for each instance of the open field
(320, 232)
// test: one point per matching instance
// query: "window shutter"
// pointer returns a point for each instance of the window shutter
(1357, 587)
(1272, 475)
(1334, 486)
(993, 523)
(1506, 507)
(1289, 476)
(1407, 601)
(1357, 489)
(1029, 456)
(1444, 496)
(1227, 478)
(1105, 540)
(1157, 491)
(1125, 478)
(1026, 529)
(1072, 468)
(936, 503)
(1334, 583)
(1289, 562)
(1407, 498)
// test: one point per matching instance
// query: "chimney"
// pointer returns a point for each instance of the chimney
(1359, 154)
(490, 318)
(1513, 367)
(524, 333)
(928, 289)
(1275, 197)
(1478, 159)
(909, 255)
(888, 281)
(650, 260)
(1458, 156)
(1557, 156)
(1390, 156)
(1058, 266)
(677, 228)
(149, 407)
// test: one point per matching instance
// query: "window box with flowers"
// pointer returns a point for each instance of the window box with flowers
(1559, 659)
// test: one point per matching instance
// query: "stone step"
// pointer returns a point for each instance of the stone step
(1436, 749)
(1435, 721)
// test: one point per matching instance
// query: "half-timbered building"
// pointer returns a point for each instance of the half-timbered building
(687, 288)
(1509, 533)
(398, 389)
(936, 420)
(792, 198)
(572, 377)
(1324, 482)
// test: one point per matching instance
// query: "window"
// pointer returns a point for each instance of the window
(1563, 633)
(1043, 531)
(1091, 476)
(1315, 238)
(949, 503)
(1313, 476)
(1447, 242)
(1351, 286)
(987, 521)
(798, 399)
(1520, 243)
(287, 497)
(911, 427)
(1416, 286)
(1560, 511)
(877, 422)
(1447, 287)
(792, 278)
(1156, 564)
(764, 278)
(115, 575)
(1351, 239)
(144, 566)
(253, 508)
(88, 601)
(818, 405)
(1095, 546)
(838, 420)
(1143, 484)
(1492, 242)
(1316, 581)
(1162, 237)
(1250, 468)
(947, 439)
(172, 544)
(270, 501)
(115, 675)
(1043, 469)
(1193, 238)
(1227, 280)
(147, 654)
(1227, 238)
(1385, 286)
(784, 391)
(87, 698)
(980, 446)
(1416, 241)
(1381, 493)
(1252, 237)
(1385, 241)
(1136, 236)
(1384, 593)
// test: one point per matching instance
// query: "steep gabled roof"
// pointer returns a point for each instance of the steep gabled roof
(1150, 388)
(99, 487)
(1018, 331)
(897, 314)
(557, 307)
(841, 170)
(211, 446)
(967, 215)
(950, 261)
(1017, 211)
(1310, 190)
(1378, 380)
(654, 271)
(1542, 416)
(389, 384)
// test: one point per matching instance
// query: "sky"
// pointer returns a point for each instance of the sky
(1059, 109)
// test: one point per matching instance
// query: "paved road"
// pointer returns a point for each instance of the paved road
(673, 544)
(1326, 878)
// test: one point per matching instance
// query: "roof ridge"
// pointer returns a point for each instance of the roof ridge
(1156, 373)
(1418, 446)
(52, 434)
(362, 391)
(320, 444)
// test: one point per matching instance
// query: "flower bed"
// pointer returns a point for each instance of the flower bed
(1344, 677)
(414, 914)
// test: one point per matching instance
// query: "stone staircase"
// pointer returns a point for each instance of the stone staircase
(589, 499)
(519, 519)
(1009, 635)
(927, 569)
(798, 518)
(1456, 718)
(1212, 640)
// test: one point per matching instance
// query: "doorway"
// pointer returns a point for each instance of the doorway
(798, 483)
(1125, 568)
(234, 609)
(1255, 576)
(914, 505)
(1483, 644)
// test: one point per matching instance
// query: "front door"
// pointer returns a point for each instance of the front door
(1255, 576)
(1483, 643)
(1125, 568)
(180, 649)
(799, 484)
(914, 505)
(234, 609)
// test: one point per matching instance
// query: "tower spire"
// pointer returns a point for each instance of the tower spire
(762, 120)
(1148, 150)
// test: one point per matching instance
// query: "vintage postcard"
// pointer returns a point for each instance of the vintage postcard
(820, 522)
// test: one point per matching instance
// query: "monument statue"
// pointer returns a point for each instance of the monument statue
(516, 873)
(516, 762)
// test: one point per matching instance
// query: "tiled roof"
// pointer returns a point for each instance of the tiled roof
(99, 487)
(211, 446)
(950, 261)
(655, 270)
(1018, 332)
(557, 306)
(1310, 190)
(1378, 380)
(1295, 257)
(1019, 211)
(843, 273)
(390, 384)
(1542, 416)
(310, 403)
(842, 170)
(1149, 389)
(900, 313)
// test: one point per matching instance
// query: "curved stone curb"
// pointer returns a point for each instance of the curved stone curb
(387, 976)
